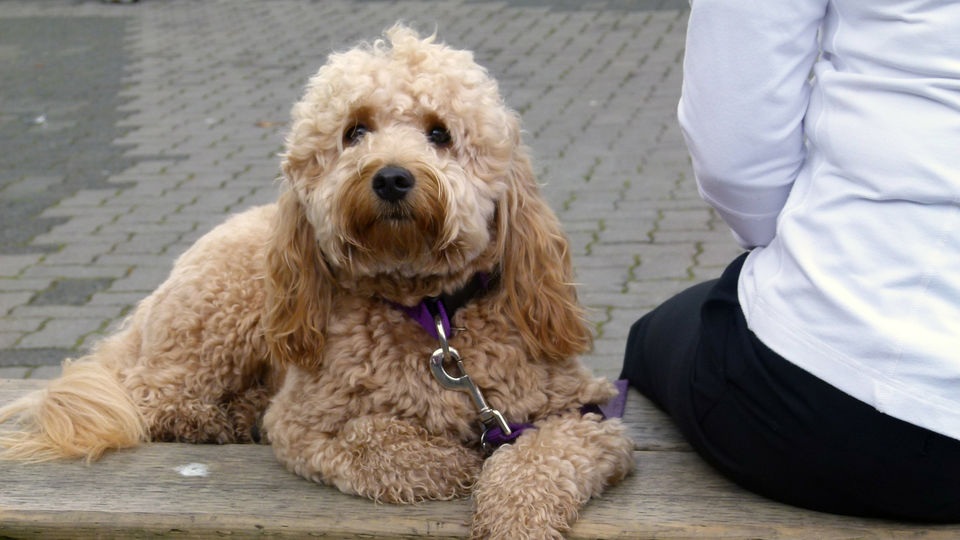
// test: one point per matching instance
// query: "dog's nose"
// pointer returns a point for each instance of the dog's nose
(392, 183)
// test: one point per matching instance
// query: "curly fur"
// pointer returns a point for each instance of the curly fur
(286, 311)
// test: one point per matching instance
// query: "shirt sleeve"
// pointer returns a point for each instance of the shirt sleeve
(745, 92)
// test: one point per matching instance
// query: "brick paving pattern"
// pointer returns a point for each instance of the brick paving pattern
(129, 130)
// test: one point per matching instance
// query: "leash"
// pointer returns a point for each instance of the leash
(434, 315)
(496, 437)
(491, 419)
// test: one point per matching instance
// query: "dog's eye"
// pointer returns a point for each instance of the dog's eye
(354, 133)
(439, 135)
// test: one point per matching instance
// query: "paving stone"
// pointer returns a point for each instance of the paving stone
(135, 259)
(142, 278)
(602, 280)
(606, 256)
(8, 339)
(44, 372)
(14, 372)
(83, 224)
(691, 236)
(60, 333)
(652, 293)
(30, 185)
(75, 253)
(579, 242)
(66, 312)
(608, 347)
(125, 300)
(89, 197)
(604, 365)
(13, 265)
(172, 225)
(66, 236)
(20, 325)
(585, 225)
(69, 291)
(618, 327)
(35, 357)
(22, 284)
(664, 261)
(10, 300)
(685, 220)
(147, 243)
(76, 271)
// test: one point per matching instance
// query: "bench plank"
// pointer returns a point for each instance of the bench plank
(247, 493)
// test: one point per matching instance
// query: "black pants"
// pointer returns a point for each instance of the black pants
(774, 428)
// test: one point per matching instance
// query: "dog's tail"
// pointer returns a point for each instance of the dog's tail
(81, 414)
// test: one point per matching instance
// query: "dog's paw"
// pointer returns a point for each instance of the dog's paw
(396, 462)
(535, 487)
(379, 457)
(519, 500)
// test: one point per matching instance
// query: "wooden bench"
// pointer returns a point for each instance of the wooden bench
(246, 493)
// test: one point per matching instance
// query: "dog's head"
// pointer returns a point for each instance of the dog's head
(405, 176)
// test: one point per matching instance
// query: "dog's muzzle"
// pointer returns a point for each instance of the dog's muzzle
(392, 183)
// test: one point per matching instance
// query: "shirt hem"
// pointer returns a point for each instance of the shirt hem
(857, 379)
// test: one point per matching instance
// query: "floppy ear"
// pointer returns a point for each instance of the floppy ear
(541, 299)
(298, 286)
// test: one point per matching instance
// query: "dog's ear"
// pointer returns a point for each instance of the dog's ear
(298, 287)
(537, 275)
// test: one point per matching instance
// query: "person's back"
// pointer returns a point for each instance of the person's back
(845, 187)
(860, 284)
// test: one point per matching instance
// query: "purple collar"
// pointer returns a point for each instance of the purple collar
(421, 314)
(446, 305)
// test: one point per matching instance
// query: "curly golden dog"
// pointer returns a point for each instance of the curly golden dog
(404, 179)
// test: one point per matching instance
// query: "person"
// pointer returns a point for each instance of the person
(822, 369)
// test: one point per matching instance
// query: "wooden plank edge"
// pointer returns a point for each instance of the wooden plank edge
(92, 524)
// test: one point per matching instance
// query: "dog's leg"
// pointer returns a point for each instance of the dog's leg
(190, 363)
(534, 488)
(380, 457)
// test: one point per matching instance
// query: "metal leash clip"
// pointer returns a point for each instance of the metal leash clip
(488, 417)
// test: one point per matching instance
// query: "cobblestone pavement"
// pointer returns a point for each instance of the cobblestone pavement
(129, 130)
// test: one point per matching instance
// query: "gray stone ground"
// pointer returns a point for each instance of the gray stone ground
(129, 130)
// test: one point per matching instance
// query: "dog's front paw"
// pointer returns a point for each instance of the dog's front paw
(518, 499)
(380, 457)
(534, 488)
(393, 461)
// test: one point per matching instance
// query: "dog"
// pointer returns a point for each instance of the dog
(407, 195)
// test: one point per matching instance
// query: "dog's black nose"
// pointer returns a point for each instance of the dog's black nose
(392, 183)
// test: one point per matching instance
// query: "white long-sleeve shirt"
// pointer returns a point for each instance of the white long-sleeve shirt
(846, 184)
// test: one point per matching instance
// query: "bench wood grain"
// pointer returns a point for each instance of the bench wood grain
(246, 493)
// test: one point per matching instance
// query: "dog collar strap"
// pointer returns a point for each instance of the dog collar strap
(445, 305)
(494, 437)
(613, 408)
(425, 318)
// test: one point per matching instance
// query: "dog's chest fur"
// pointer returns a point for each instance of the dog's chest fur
(376, 361)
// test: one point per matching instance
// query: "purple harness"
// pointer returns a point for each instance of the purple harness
(432, 314)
